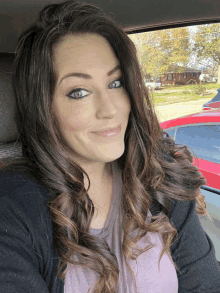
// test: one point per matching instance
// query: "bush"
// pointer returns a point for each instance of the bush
(191, 81)
(186, 92)
(179, 83)
(199, 89)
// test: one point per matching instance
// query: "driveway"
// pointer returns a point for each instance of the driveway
(175, 110)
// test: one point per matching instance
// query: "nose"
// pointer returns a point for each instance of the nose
(106, 105)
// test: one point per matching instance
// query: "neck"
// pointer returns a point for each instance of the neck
(98, 175)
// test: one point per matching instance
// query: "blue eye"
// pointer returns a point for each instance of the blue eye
(118, 80)
(76, 94)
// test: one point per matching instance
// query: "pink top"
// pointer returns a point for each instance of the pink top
(148, 277)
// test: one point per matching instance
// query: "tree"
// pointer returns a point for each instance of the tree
(138, 40)
(180, 47)
(157, 50)
(207, 44)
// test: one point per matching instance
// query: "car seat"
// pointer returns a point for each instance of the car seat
(9, 145)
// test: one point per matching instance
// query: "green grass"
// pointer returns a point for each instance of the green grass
(191, 86)
(184, 95)
(184, 98)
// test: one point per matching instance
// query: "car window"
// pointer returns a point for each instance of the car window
(171, 132)
(180, 67)
(202, 139)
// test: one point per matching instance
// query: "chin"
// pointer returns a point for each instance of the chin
(113, 155)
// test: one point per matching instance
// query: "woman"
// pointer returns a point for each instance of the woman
(86, 210)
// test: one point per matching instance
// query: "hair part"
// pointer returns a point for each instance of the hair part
(154, 168)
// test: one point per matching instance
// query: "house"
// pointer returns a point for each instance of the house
(179, 75)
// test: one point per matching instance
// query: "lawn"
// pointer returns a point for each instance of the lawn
(175, 94)
(191, 86)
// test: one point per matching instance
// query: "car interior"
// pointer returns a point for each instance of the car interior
(135, 17)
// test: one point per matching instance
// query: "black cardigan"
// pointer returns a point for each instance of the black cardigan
(28, 258)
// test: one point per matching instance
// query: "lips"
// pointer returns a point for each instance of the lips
(108, 130)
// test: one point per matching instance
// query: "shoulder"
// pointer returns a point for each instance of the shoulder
(193, 250)
(179, 213)
(14, 183)
(22, 199)
(184, 217)
(181, 209)
(26, 231)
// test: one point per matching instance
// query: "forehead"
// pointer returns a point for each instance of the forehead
(88, 51)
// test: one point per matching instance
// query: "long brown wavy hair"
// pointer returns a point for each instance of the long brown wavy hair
(154, 168)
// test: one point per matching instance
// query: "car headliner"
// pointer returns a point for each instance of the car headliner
(210, 116)
(133, 15)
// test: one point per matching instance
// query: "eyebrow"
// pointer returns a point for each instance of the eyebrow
(87, 76)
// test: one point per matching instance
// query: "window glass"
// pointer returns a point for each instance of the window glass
(189, 74)
(171, 132)
(204, 140)
(169, 76)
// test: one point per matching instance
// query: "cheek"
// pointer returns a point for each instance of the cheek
(73, 120)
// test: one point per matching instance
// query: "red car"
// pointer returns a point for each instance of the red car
(201, 133)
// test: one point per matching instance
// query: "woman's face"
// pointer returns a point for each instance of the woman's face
(102, 100)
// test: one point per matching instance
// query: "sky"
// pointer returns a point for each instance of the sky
(193, 28)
